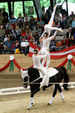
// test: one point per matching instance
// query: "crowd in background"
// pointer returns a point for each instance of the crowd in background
(16, 34)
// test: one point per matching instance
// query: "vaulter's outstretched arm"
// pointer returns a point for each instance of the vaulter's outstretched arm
(50, 38)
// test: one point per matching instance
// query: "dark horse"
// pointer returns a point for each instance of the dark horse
(32, 77)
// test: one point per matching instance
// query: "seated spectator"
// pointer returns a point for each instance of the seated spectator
(18, 32)
(24, 46)
(72, 15)
(52, 46)
(41, 25)
(32, 40)
(64, 43)
(57, 23)
(58, 45)
(8, 44)
(29, 37)
(26, 18)
(36, 36)
(5, 38)
(13, 19)
(23, 34)
(15, 48)
(69, 33)
(5, 16)
(2, 30)
(12, 37)
(32, 22)
(73, 31)
(72, 41)
(48, 11)
(20, 21)
(64, 22)
(73, 22)
(46, 20)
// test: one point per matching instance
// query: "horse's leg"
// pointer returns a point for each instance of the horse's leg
(31, 97)
(54, 93)
(31, 102)
(61, 93)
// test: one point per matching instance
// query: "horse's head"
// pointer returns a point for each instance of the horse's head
(25, 77)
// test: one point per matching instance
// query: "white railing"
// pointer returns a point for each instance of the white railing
(18, 90)
(14, 90)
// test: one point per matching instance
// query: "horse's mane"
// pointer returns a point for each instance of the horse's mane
(33, 74)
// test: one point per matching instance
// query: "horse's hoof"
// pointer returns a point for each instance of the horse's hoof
(33, 104)
(28, 107)
(49, 104)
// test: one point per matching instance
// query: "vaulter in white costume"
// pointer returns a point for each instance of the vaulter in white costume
(48, 27)
(36, 61)
(45, 48)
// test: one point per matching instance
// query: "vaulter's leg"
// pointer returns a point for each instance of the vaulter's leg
(54, 93)
(48, 60)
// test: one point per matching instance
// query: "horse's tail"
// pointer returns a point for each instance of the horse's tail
(66, 78)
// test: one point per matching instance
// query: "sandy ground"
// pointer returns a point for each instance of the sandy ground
(19, 103)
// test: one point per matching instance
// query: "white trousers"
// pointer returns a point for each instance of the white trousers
(47, 58)
(43, 70)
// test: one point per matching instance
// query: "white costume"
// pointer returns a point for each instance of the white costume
(43, 70)
(45, 49)
(48, 27)
(46, 42)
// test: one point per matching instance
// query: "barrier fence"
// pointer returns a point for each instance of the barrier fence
(19, 90)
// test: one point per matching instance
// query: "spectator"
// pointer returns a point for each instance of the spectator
(64, 22)
(5, 38)
(24, 46)
(26, 19)
(20, 21)
(57, 23)
(72, 15)
(8, 45)
(13, 19)
(64, 42)
(29, 37)
(32, 23)
(23, 34)
(5, 16)
(73, 22)
(72, 41)
(58, 45)
(52, 46)
(48, 11)
(41, 25)
(69, 33)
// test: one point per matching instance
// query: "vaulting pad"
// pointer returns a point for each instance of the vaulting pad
(51, 72)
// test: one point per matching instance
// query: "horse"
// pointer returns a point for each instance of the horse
(31, 77)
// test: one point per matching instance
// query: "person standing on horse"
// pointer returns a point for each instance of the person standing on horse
(37, 64)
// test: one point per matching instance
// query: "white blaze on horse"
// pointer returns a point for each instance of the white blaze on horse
(33, 78)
